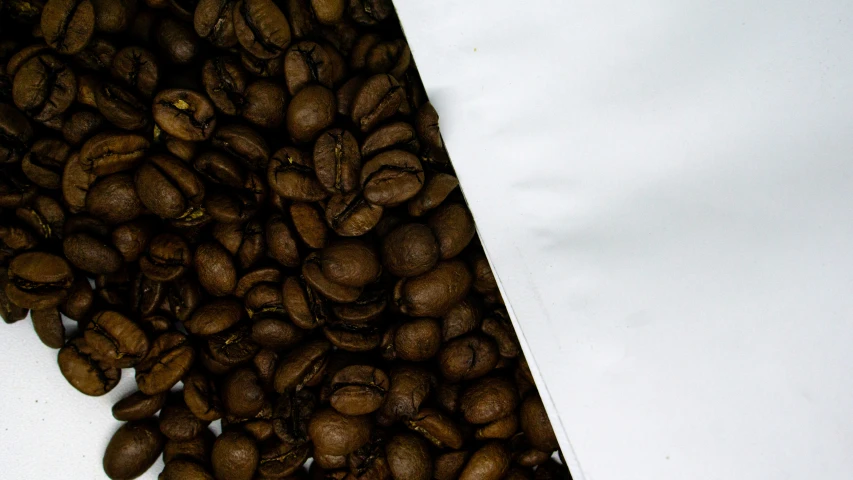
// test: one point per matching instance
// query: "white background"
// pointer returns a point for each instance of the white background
(665, 190)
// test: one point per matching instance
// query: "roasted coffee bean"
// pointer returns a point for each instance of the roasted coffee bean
(281, 242)
(367, 307)
(393, 57)
(437, 188)
(281, 459)
(146, 295)
(350, 262)
(15, 189)
(291, 175)
(198, 449)
(184, 469)
(184, 114)
(346, 95)
(177, 41)
(48, 327)
(378, 100)
(370, 12)
(271, 329)
(261, 28)
(426, 122)
(138, 406)
(410, 250)
(309, 224)
(133, 449)
(216, 270)
(468, 357)
(306, 63)
(410, 385)
(394, 136)
(136, 67)
(242, 393)
(168, 187)
(235, 456)
(44, 162)
(313, 274)
(311, 111)
(433, 293)
(44, 87)
(490, 462)
(78, 365)
(534, 422)
(436, 427)
(291, 416)
(10, 312)
(116, 340)
(337, 161)
(449, 465)
(500, 429)
(225, 81)
(302, 366)
(114, 199)
(167, 258)
(234, 346)
(38, 280)
(178, 423)
(15, 134)
(108, 153)
(215, 317)
(98, 55)
(262, 67)
(121, 107)
(305, 308)
(131, 239)
(418, 340)
(114, 16)
(358, 55)
(265, 104)
(337, 434)
(81, 125)
(244, 144)
(68, 24)
(202, 397)
(246, 242)
(463, 318)
(351, 215)
(488, 399)
(358, 389)
(167, 361)
(408, 457)
(213, 21)
(391, 178)
(453, 227)
(44, 216)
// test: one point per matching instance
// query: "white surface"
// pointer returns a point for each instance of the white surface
(664, 188)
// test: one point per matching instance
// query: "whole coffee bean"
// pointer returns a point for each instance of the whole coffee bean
(291, 175)
(391, 178)
(98, 55)
(433, 293)
(393, 136)
(10, 312)
(392, 57)
(261, 28)
(418, 340)
(15, 189)
(113, 16)
(410, 250)
(537, 428)
(86, 86)
(215, 317)
(311, 111)
(243, 143)
(337, 434)
(367, 307)
(352, 336)
(177, 41)
(131, 239)
(351, 215)
(500, 429)
(178, 423)
(498, 326)
(490, 462)
(313, 274)
(183, 469)
(350, 262)
(463, 318)
(219, 168)
(370, 12)
(305, 63)
(214, 22)
(436, 427)
(68, 24)
(234, 346)
(114, 199)
(133, 449)
(202, 396)
(281, 242)
(38, 280)
(489, 399)
(116, 340)
(48, 327)
(262, 67)
(44, 162)
(81, 125)
(437, 188)
(468, 357)
(305, 308)
(378, 100)
(281, 459)
(291, 416)
(246, 242)
(273, 330)
(185, 114)
(120, 107)
(265, 104)
(453, 227)
(408, 457)
(167, 258)
(138, 406)
(168, 360)
(302, 366)
(224, 80)
(309, 224)
(337, 161)
(197, 450)
(235, 456)
(15, 134)
(328, 12)
(358, 389)
(44, 216)
(216, 271)
(410, 385)
(44, 87)
(83, 372)
(168, 187)
(426, 122)
(331, 462)
(448, 465)
(242, 393)
(108, 153)
(362, 46)
(136, 67)
(346, 95)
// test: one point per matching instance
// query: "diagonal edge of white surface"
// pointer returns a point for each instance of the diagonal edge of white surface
(664, 191)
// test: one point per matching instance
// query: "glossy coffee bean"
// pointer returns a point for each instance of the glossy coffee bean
(408, 457)
(302, 366)
(309, 224)
(138, 406)
(177, 41)
(490, 462)
(377, 100)
(265, 104)
(109, 153)
(311, 111)
(392, 136)
(121, 107)
(44, 162)
(291, 175)
(184, 114)
(235, 456)
(216, 270)
(213, 21)
(168, 359)
(436, 427)
(167, 258)
(351, 215)
(433, 293)
(137, 68)
(116, 339)
(68, 25)
(202, 396)
(81, 125)
(184, 469)
(197, 450)
(468, 357)
(410, 385)
(453, 227)
(78, 365)
(168, 187)
(337, 434)
(410, 250)
(48, 326)
(337, 161)
(114, 199)
(534, 422)
(448, 465)
(435, 191)
(243, 143)
(38, 280)
(370, 12)
(133, 449)
(15, 134)
(261, 28)
(392, 177)
(242, 393)
(358, 389)
(178, 423)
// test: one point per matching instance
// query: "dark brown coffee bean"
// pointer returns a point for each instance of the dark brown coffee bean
(44, 87)
(311, 111)
(80, 298)
(291, 416)
(220, 168)
(489, 399)
(113, 199)
(116, 340)
(490, 462)
(138, 406)
(433, 293)
(235, 456)
(184, 114)
(273, 330)
(44, 162)
(537, 428)
(261, 28)
(136, 67)
(224, 80)
(246, 242)
(214, 22)
(313, 275)
(418, 340)
(177, 41)
(408, 457)
(281, 242)
(113, 16)
(377, 100)
(15, 134)
(169, 359)
(453, 227)
(302, 366)
(362, 46)
(391, 178)
(367, 307)
(426, 122)
(337, 161)
(346, 95)
(351, 215)
(370, 12)
(98, 55)
(463, 318)
(131, 239)
(410, 250)
(233, 347)
(83, 372)
(394, 136)
(281, 459)
(38, 280)
(305, 308)
(214, 317)
(44, 216)
(307, 63)
(48, 327)
(120, 107)
(197, 450)
(498, 326)
(202, 396)
(15, 189)
(133, 449)
(437, 188)
(81, 125)
(291, 175)
(350, 262)
(178, 423)
(215, 268)
(168, 187)
(68, 24)
(183, 469)
(436, 427)
(337, 434)
(86, 86)
(242, 393)
(449, 465)
(108, 153)
(309, 224)
(410, 385)
(265, 104)
(500, 429)
(468, 357)
(244, 144)
(393, 57)
(358, 389)
(262, 67)
(167, 258)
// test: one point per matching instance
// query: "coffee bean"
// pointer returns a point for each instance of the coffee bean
(490, 462)
(393, 57)
(242, 393)
(433, 293)
(184, 114)
(311, 111)
(114, 199)
(225, 81)
(534, 422)
(304, 307)
(136, 67)
(350, 262)
(309, 224)
(133, 449)
(418, 340)
(235, 456)
(38, 280)
(437, 428)
(436, 190)
(116, 340)
(393, 136)
(338, 434)
(138, 406)
(15, 189)
(167, 258)
(183, 469)
(15, 134)
(410, 385)
(168, 187)
(234, 346)
(113, 16)
(44, 87)
(105, 153)
(121, 107)
(79, 366)
(302, 366)
(213, 21)
(337, 161)
(378, 100)
(131, 239)
(202, 396)
(488, 399)
(281, 459)
(291, 175)
(370, 12)
(215, 317)
(48, 327)
(168, 359)
(305, 63)
(358, 390)
(178, 423)
(197, 450)
(244, 144)
(265, 104)
(261, 28)
(351, 215)
(410, 250)
(313, 274)
(216, 271)
(449, 465)
(68, 24)
(346, 95)
(98, 55)
(391, 178)
(453, 227)
(468, 357)
(463, 318)
(44, 162)
(81, 125)
(177, 41)
(10, 312)
(500, 429)
(44, 216)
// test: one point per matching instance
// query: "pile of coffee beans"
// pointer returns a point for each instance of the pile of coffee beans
(247, 205)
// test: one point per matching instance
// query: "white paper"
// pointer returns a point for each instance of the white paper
(664, 189)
